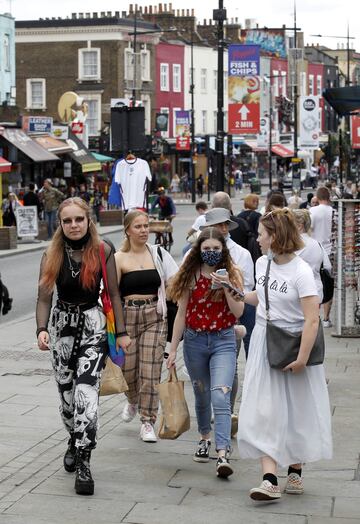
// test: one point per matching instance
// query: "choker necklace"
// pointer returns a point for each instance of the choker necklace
(76, 245)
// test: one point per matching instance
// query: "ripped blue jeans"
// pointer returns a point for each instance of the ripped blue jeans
(210, 358)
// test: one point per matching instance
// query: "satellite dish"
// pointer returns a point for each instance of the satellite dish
(66, 101)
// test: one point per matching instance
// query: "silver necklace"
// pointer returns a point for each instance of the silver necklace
(75, 271)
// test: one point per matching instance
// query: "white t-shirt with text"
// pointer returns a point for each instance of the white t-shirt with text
(288, 283)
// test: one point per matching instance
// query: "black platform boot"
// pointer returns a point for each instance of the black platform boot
(70, 456)
(84, 484)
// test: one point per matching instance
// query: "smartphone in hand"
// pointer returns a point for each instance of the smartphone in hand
(221, 272)
(235, 290)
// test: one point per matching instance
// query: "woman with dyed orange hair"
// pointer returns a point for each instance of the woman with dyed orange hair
(76, 336)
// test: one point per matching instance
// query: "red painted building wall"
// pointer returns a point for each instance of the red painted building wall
(172, 55)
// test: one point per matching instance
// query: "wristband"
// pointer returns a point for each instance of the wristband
(40, 329)
(121, 334)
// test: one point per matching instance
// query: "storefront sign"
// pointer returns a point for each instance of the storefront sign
(37, 124)
(244, 89)
(309, 122)
(77, 128)
(183, 143)
(60, 132)
(27, 221)
(355, 132)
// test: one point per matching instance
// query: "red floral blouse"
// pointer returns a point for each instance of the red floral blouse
(203, 314)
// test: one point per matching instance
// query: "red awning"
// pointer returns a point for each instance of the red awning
(5, 165)
(282, 151)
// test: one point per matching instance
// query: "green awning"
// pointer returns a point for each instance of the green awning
(103, 158)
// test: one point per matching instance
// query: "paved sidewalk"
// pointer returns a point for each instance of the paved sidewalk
(138, 483)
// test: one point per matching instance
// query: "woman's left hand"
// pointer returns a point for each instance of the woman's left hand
(123, 342)
(295, 367)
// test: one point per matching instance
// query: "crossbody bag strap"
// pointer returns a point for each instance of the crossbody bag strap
(267, 305)
(103, 267)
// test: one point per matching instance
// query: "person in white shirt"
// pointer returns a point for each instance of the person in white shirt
(201, 208)
(313, 253)
(285, 413)
(321, 224)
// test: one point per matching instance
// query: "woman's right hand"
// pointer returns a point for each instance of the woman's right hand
(43, 340)
(170, 361)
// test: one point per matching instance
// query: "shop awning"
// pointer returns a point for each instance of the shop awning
(282, 151)
(53, 145)
(103, 158)
(254, 146)
(24, 143)
(5, 165)
(80, 154)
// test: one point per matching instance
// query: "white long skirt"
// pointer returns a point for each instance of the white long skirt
(282, 415)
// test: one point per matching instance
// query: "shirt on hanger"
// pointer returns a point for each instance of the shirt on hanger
(132, 177)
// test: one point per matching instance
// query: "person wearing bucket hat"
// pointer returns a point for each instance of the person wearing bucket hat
(219, 215)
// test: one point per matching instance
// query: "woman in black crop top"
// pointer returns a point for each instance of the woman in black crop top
(76, 335)
(142, 276)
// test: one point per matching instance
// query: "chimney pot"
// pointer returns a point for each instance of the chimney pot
(182, 12)
(131, 9)
(81, 15)
(73, 16)
(95, 15)
(88, 15)
(192, 12)
(102, 14)
(117, 14)
(160, 8)
(187, 12)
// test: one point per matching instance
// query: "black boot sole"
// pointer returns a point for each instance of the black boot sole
(70, 468)
(84, 488)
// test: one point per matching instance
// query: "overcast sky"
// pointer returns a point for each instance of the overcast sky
(327, 17)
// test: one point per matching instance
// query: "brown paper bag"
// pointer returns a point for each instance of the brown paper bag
(112, 379)
(175, 418)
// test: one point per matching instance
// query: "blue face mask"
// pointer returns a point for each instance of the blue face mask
(211, 257)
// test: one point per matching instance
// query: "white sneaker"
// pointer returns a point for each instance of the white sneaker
(147, 433)
(129, 412)
(327, 324)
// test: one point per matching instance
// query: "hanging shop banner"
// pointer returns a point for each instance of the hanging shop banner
(27, 221)
(37, 124)
(182, 130)
(161, 122)
(271, 41)
(262, 138)
(244, 89)
(355, 132)
(309, 122)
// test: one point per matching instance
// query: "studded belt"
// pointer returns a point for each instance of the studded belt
(140, 301)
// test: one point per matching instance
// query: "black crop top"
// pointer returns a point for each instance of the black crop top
(70, 290)
(142, 282)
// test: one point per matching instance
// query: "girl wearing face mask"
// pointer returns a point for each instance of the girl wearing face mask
(207, 316)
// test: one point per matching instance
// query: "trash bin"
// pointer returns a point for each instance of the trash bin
(255, 186)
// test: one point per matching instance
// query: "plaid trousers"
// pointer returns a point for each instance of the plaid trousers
(144, 358)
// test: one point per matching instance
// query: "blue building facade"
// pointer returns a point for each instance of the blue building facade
(7, 59)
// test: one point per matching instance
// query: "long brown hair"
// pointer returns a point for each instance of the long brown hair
(184, 278)
(128, 220)
(90, 264)
(281, 224)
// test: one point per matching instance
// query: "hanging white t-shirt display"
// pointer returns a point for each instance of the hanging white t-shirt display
(132, 177)
(287, 283)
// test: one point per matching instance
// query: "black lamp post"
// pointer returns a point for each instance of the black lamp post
(192, 121)
(219, 15)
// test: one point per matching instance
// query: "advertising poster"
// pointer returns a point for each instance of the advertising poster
(355, 132)
(37, 124)
(272, 42)
(182, 130)
(309, 122)
(27, 221)
(244, 89)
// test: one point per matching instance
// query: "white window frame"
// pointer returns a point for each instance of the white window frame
(29, 99)
(176, 71)
(318, 85)
(215, 121)
(283, 83)
(203, 80)
(165, 110)
(81, 53)
(174, 120)
(225, 121)
(145, 70)
(94, 96)
(303, 86)
(276, 83)
(204, 122)
(164, 76)
(7, 58)
(215, 79)
(311, 85)
(128, 63)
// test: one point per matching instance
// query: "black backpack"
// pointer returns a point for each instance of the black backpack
(245, 237)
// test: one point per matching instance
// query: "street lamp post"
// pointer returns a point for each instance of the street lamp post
(347, 118)
(219, 15)
(192, 121)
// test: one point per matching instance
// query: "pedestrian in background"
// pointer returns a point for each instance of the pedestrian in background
(307, 203)
(51, 199)
(97, 203)
(207, 317)
(32, 199)
(200, 185)
(9, 206)
(76, 334)
(250, 213)
(143, 272)
(285, 414)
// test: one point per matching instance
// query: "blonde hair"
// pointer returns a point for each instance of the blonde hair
(251, 201)
(302, 218)
(90, 264)
(128, 220)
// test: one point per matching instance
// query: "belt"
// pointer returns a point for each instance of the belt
(66, 306)
(141, 301)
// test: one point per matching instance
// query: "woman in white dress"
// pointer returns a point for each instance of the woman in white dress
(313, 252)
(285, 414)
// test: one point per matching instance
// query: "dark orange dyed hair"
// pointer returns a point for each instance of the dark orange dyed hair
(90, 264)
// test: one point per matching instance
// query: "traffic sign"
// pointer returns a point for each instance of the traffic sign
(244, 119)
